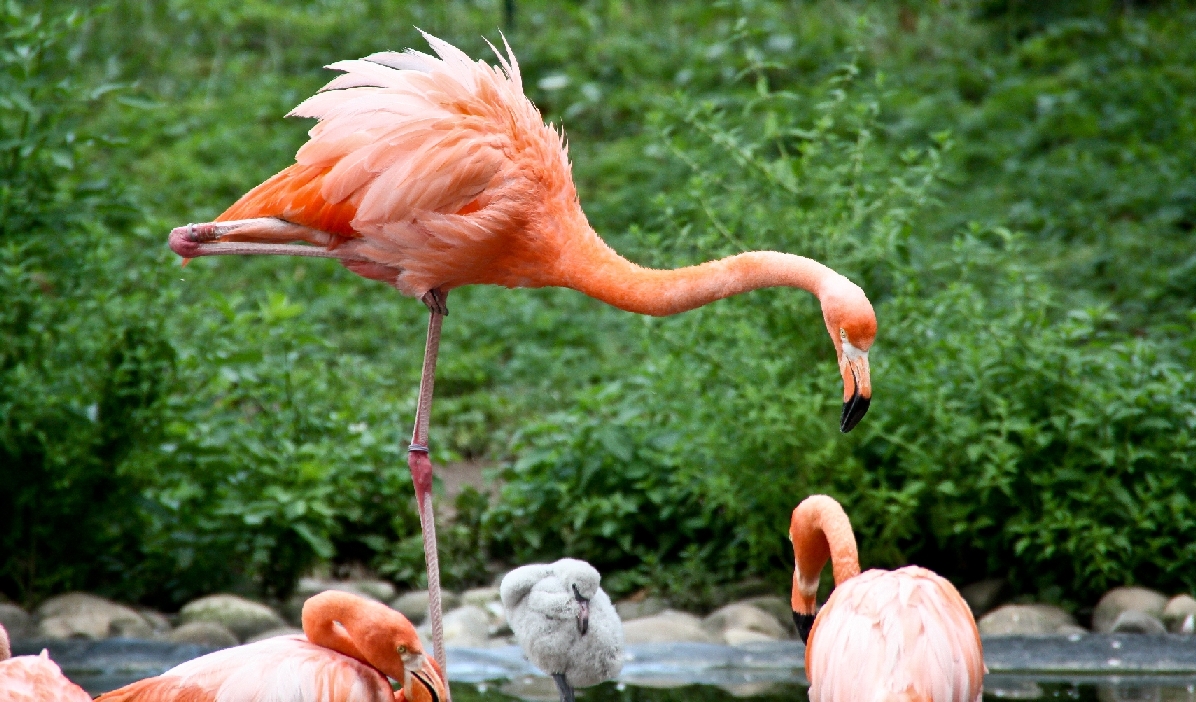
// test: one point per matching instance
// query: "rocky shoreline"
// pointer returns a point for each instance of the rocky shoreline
(474, 618)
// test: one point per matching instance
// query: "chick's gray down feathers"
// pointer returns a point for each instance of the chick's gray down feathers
(549, 606)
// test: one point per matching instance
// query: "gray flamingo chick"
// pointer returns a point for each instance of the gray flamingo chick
(564, 622)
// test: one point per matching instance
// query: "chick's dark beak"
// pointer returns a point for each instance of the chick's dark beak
(583, 612)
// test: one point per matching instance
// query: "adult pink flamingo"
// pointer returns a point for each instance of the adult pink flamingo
(351, 646)
(429, 173)
(34, 678)
(904, 635)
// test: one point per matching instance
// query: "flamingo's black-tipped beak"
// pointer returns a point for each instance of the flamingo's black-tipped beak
(804, 623)
(422, 671)
(853, 411)
(857, 388)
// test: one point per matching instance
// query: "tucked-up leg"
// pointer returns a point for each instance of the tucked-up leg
(421, 475)
(261, 236)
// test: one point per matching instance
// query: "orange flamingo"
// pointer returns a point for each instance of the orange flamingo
(903, 635)
(429, 173)
(352, 646)
(34, 678)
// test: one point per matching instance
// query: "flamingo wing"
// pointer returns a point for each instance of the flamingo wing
(37, 679)
(280, 669)
(434, 163)
(904, 635)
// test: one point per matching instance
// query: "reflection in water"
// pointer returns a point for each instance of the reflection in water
(1162, 689)
(1093, 689)
(996, 687)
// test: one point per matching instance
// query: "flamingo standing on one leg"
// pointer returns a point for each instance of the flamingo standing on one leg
(352, 646)
(34, 678)
(902, 636)
(431, 173)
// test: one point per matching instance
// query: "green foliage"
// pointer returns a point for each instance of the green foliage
(1013, 190)
(81, 371)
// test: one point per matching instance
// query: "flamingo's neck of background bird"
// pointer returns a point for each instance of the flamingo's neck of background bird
(5, 648)
(820, 531)
(590, 266)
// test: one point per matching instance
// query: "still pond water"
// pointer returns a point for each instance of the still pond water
(704, 673)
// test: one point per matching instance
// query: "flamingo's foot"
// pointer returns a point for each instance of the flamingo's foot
(263, 235)
(436, 301)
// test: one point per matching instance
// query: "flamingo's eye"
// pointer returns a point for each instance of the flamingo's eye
(843, 334)
(402, 649)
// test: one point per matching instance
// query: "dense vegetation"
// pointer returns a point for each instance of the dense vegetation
(1014, 190)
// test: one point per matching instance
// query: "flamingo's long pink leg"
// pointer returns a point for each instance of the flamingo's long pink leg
(421, 470)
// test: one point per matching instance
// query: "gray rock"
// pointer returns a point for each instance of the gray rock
(1123, 599)
(498, 619)
(17, 621)
(380, 590)
(779, 608)
(1132, 622)
(742, 637)
(467, 626)
(414, 605)
(1179, 609)
(667, 627)
(740, 618)
(1070, 629)
(159, 623)
(982, 596)
(284, 631)
(244, 618)
(637, 609)
(1027, 619)
(204, 634)
(371, 588)
(480, 597)
(79, 615)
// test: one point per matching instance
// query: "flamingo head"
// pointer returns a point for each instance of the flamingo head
(805, 610)
(851, 322)
(581, 581)
(810, 552)
(410, 665)
(375, 634)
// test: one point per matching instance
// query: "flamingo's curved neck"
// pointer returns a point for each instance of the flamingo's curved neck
(331, 622)
(821, 531)
(590, 266)
(5, 648)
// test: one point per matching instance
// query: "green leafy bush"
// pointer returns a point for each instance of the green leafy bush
(81, 369)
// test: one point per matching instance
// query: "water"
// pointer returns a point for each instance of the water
(1146, 669)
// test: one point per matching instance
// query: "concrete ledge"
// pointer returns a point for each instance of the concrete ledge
(1092, 654)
